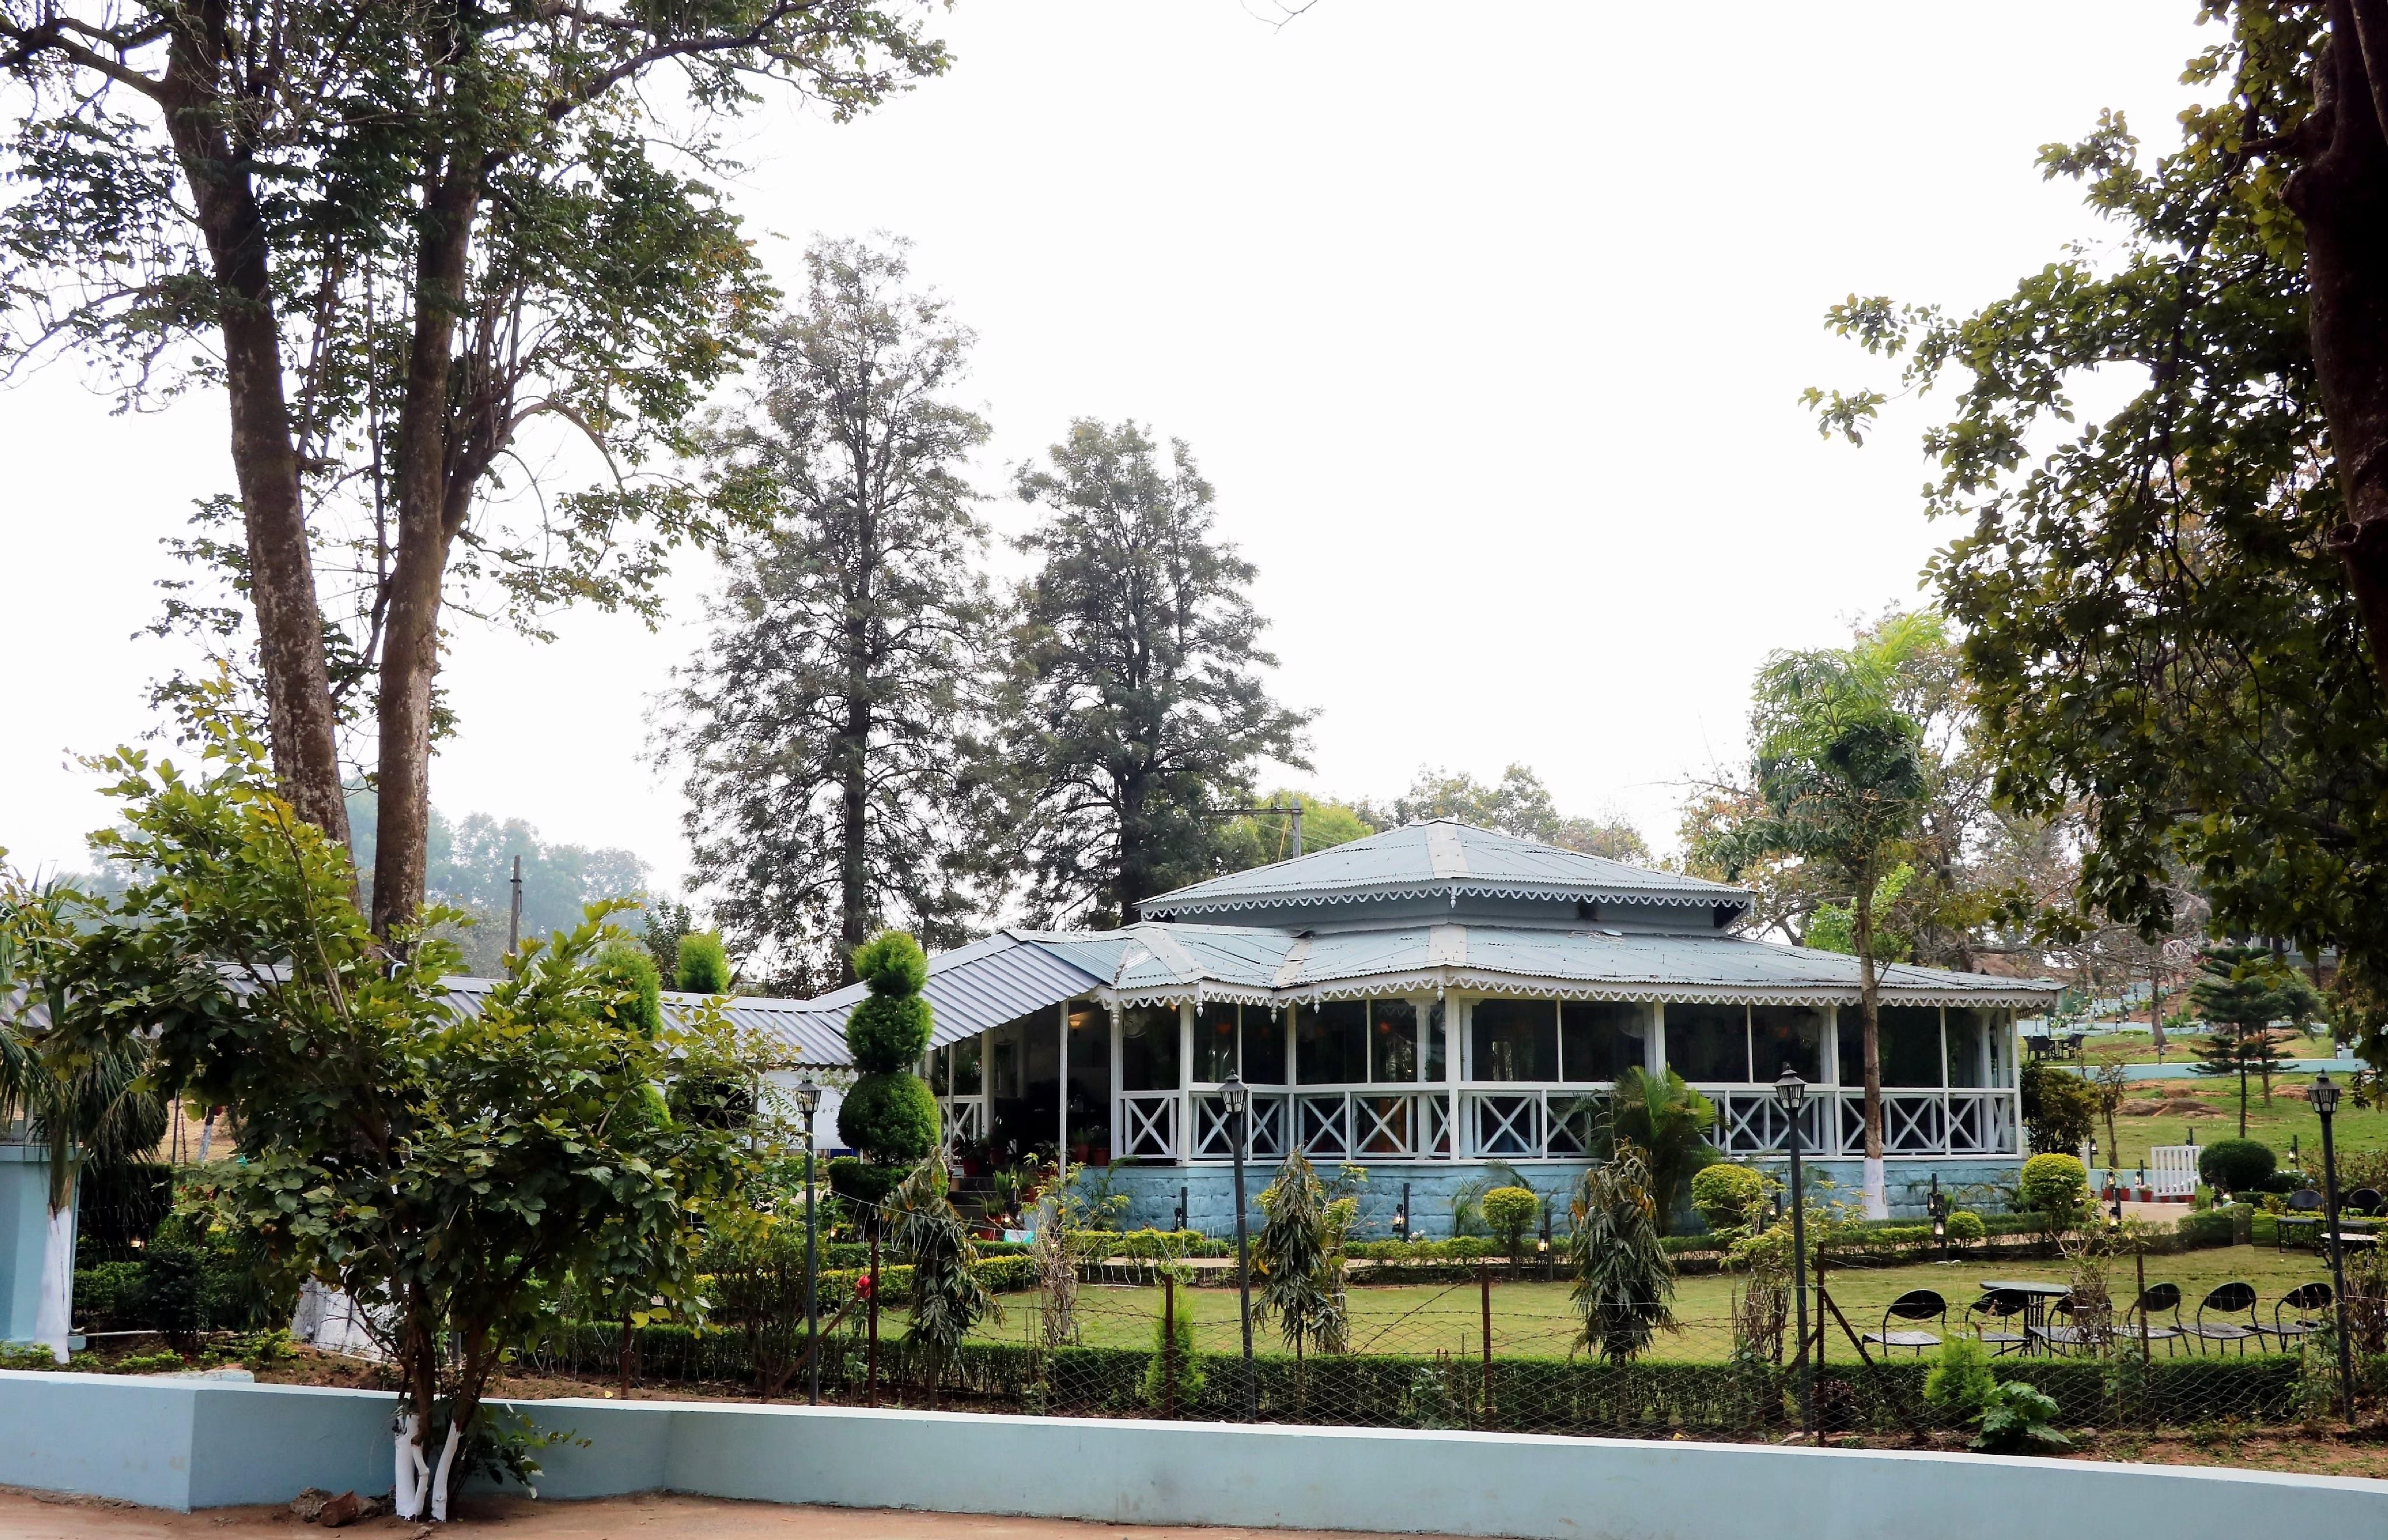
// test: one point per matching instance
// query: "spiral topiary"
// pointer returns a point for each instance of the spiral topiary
(890, 1115)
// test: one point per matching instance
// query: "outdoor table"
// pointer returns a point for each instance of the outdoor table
(2349, 1239)
(2281, 1224)
(2036, 1298)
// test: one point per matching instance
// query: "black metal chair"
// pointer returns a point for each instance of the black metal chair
(2229, 1299)
(2164, 1297)
(2309, 1301)
(1997, 1307)
(2303, 1214)
(1916, 1305)
(2364, 1202)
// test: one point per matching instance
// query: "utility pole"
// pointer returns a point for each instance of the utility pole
(1293, 812)
(514, 912)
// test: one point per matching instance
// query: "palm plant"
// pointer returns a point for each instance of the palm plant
(92, 1107)
(1299, 1258)
(948, 1298)
(1667, 1123)
(1624, 1282)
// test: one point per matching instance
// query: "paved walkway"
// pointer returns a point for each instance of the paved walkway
(654, 1516)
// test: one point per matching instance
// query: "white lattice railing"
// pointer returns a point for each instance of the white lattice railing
(1147, 1127)
(965, 1119)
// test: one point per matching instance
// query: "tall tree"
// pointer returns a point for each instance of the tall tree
(2159, 623)
(400, 237)
(1840, 784)
(2241, 992)
(826, 725)
(1135, 707)
(1517, 804)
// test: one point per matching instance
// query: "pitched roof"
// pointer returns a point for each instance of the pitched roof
(1431, 860)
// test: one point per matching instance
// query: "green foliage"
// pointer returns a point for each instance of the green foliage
(2236, 1165)
(1250, 841)
(1299, 1258)
(1728, 1196)
(892, 965)
(1510, 1212)
(1519, 804)
(1624, 1279)
(1960, 1384)
(702, 964)
(448, 1170)
(2060, 1109)
(1187, 1364)
(630, 970)
(1963, 1225)
(1666, 1123)
(888, 1033)
(2017, 1417)
(1123, 725)
(861, 1182)
(948, 1297)
(2057, 1185)
(892, 1118)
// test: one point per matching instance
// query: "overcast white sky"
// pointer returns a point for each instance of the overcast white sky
(1488, 322)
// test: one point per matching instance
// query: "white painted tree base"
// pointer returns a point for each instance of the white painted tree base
(1877, 1190)
(54, 1317)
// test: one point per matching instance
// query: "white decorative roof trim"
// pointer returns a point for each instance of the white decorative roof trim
(2017, 994)
(1288, 897)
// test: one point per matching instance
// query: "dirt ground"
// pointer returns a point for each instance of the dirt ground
(36, 1516)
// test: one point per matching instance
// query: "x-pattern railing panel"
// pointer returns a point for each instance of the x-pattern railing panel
(1150, 1123)
(1507, 1123)
(1324, 1124)
(1384, 1124)
(1574, 1120)
(1914, 1124)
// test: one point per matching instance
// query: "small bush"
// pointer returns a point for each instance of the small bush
(1191, 1378)
(2016, 1418)
(861, 1182)
(2236, 1165)
(1965, 1227)
(630, 969)
(1960, 1382)
(1509, 1212)
(1727, 1195)
(2057, 1185)
(892, 963)
(893, 1116)
(703, 966)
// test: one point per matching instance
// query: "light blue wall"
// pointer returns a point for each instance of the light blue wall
(185, 1444)
(1210, 1191)
(24, 1230)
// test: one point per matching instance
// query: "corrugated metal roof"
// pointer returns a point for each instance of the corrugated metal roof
(994, 980)
(1434, 858)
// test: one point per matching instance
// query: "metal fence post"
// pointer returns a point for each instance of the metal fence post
(873, 1372)
(1169, 1345)
(1484, 1289)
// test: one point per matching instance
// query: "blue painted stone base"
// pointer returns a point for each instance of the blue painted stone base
(1153, 1190)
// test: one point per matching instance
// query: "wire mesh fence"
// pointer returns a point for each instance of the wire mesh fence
(1503, 1346)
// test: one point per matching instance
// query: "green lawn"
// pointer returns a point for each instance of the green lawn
(2277, 1124)
(1533, 1318)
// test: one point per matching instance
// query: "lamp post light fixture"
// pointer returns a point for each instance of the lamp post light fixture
(1237, 1098)
(1938, 1206)
(809, 1094)
(1791, 1096)
(2325, 1104)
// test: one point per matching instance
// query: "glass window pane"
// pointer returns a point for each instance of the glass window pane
(1910, 1045)
(1329, 1043)
(1392, 1040)
(1147, 1048)
(1214, 1041)
(1264, 1047)
(1514, 1039)
(1784, 1035)
(1965, 1028)
(1435, 1047)
(1599, 1039)
(966, 1065)
(1708, 1042)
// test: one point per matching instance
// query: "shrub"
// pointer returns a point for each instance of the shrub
(860, 1183)
(888, 1033)
(892, 963)
(1509, 1212)
(2057, 1185)
(2236, 1165)
(1964, 1227)
(1728, 1196)
(891, 1118)
(631, 969)
(2016, 1417)
(890, 1115)
(1960, 1382)
(703, 966)
(1191, 1378)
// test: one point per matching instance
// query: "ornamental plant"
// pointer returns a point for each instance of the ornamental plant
(2236, 1165)
(2057, 1185)
(1728, 1196)
(702, 964)
(1625, 1281)
(1959, 1384)
(2017, 1417)
(1965, 1227)
(1509, 1212)
(890, 1115)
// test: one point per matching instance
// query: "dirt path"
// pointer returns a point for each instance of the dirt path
(654, 1516)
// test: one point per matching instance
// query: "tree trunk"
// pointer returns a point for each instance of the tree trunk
(1876, 1194)
(1129, 884)
(428, 519)
(280, 575)
(54, 1313)
(854, 804)
(2340, 194)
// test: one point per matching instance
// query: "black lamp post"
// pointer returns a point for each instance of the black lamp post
(1239, 1100)
(808, 1102)
(1791, 1095)
(1938, 1206)
(2325, 1102)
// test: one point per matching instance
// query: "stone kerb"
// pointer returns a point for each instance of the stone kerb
(185, 1445)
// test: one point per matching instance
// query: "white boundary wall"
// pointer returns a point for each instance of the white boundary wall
(181, 1443)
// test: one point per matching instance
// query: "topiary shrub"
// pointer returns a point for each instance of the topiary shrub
(1728, 1196)
(703, 965)
(2236, 1165)
(630, 970)
(1965, 1227)
(1509, 1212)
(890, 1115)
(2057, 1185)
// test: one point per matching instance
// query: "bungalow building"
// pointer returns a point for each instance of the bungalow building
(1430, 999)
